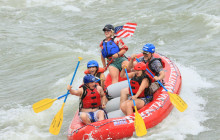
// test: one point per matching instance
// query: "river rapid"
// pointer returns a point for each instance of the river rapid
(41, 40)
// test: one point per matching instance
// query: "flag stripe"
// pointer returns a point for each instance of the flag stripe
(128, 27)
(132, 23)
(126, 30)
(121, 32)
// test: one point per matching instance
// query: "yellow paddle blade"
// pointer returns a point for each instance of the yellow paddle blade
(178, 102)
(57, 122)
(139, 124)
(80, 58)
(42, 105)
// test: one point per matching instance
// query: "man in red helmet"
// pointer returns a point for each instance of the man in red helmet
(140, 82)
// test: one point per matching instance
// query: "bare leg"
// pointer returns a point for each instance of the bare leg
(123, 107)
(101, 115)
(114, 73)
(124, 95)
(125, 63)
(139, 103)
(129, 108)
(85, 118)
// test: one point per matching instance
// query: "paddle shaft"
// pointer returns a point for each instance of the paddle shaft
(153, 76)
(58, 119)
(109, 64)
(68, 92)
(129, 85)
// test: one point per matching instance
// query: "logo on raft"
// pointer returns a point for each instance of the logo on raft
(119, 122)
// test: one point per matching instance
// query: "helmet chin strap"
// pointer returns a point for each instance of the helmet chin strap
(89, 87)
(151, 56)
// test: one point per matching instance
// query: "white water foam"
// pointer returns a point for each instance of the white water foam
(179, 124)
(20, 122)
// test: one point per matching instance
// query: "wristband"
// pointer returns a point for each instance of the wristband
(118, 54)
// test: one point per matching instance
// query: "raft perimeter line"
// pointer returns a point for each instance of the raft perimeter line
(142, 115)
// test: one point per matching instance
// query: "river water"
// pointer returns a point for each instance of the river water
(41, 40)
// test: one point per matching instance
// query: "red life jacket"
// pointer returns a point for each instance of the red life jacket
(148, 66)
(100, 70)
(90, 98)
(135, 85)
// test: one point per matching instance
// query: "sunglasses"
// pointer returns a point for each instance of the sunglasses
(146, 52)
(107, 30)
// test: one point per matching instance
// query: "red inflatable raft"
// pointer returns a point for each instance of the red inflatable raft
(122, 127)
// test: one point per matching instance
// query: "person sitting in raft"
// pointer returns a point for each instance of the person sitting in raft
(94, 69)
(92, 104)
(113, 48)
(153, 64)
(140, 82)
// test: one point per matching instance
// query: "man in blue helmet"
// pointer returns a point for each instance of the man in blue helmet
(153, 64)
(92, 100)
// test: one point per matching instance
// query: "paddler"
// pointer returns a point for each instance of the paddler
(92, 100)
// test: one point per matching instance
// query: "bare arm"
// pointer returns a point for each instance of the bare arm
(102, 78)
(103, 97)
(120, 53)
(78, 92)
(144, 84)
(123, 74)
(132, 63)
(161, 77)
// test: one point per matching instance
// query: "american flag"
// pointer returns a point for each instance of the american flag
(126, 30)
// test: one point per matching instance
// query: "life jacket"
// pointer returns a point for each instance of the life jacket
(148, 66)
(100, 70)
(135, 85)
(90, 98)
(109, 48)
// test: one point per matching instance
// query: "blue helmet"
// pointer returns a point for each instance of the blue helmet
(149, 48)
(92, 63)
(89, 78)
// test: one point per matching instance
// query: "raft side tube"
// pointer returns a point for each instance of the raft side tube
(112, 105)
(114, 90)
(115, 114)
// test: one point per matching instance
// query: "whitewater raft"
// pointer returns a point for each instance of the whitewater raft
(118, 126)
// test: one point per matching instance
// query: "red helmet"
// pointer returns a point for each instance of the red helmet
(140, 66)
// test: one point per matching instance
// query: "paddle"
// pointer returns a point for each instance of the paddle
(58, 119)
(139, 124)
(175, 99)
(109, 64)
(45, 104)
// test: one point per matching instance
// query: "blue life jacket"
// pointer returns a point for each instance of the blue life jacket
(109, 48)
